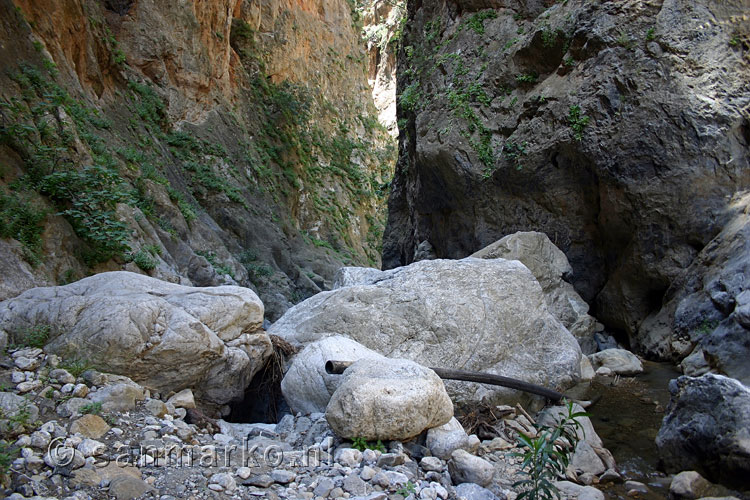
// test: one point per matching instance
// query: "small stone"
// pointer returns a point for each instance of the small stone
(367, 473)
(25, 387)
(67, 388)
(17, 377)
(262, 481)
(40, 440)
(603, 371)
(62, 376)
(282, 476)
(355, 485)
(688, 485)
(27, 364)
(23, 441)
(90, 426)
(339, 493)
(226, 481)
(390, 459)
(636, 487)
(348, 457)
(588, 478)
(183, 399)
(244, 472)
(80, 391)
(324, 487)
(127, 487)
(431, 464)
(369, 456)
(471, 491)
(91, 448)
(156, 408)
(467, 468)
(610, 476)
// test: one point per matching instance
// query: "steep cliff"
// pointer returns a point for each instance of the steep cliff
(200, 142)
(619, 129)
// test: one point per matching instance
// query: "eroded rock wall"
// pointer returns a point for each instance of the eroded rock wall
(237, 141)
(619, 129)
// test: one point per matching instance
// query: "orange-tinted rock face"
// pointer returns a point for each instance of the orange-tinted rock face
(64, 29)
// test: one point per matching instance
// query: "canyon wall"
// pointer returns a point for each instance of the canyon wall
(619, 129)
(200, 142)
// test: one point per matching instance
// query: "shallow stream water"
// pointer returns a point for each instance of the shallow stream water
(627, 417)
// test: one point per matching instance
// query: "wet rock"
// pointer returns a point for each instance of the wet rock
(688, 485)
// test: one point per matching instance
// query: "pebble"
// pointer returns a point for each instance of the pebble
(348, 457)
(367, 473)
(282, 476)
(431, 464)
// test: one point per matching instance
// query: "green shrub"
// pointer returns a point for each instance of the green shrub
(91, 408)
(22, 220)
(577, 121)
(476, 21)
(76, 367)
(89, 197)
(547, 456)
(144, 260)
(36, 336)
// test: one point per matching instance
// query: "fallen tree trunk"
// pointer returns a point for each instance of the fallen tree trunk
(338, 367)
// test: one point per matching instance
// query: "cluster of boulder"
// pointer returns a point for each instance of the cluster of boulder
(508, 310)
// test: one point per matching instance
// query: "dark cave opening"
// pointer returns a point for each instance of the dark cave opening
(263, 401)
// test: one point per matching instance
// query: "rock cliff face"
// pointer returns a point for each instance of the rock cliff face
(204, 143)
(619, 129)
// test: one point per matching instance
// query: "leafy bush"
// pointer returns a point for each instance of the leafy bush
(476, 21)
(547, 456)
(20, 219)
(91, 195)
(36, 336)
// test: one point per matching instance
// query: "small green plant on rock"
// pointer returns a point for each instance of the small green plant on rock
(577, 121)
(361, 444)
(547, 456)
(91, 408)
(76, 367)
(408, 489)
(36, 336)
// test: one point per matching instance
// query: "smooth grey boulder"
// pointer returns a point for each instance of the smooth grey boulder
(620, 361)
(471, 314)
(551, 268)
(707, 429)
(388, 399)
(164, 336)
(467, 468)
(306, 386)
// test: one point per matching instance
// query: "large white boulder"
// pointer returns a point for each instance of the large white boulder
(388, 399)
(551, 268)
(471, 314)
(306, 386)
(164, 336)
